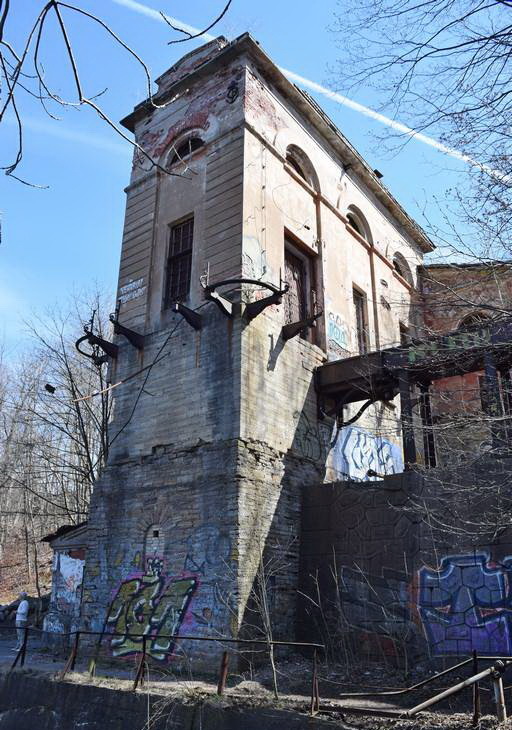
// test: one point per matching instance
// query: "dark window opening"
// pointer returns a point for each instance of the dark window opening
(179, 262)
(473, 319)
(353, 223)
(156, 533)
(298, 274)
(185, 149)
(361, 321)
(290, 159)
(405, 336)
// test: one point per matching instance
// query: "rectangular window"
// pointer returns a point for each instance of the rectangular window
(361, 321)
(179, 261)
(295, 301)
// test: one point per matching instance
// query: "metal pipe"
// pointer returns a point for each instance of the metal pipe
(476, 692)
(497, 681)
(394, 692)
(450, 691)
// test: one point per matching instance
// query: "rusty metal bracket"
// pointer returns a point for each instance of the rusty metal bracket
(96, 343)
(134, 338)
(294, 328)
(189, 315)
(226, 306)
(252, 309)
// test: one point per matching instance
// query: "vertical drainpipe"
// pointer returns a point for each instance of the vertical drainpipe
(374, 297)
(319, 269)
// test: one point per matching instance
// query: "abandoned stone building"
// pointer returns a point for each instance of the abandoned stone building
(263, 262)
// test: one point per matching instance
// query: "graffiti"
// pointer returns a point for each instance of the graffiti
(67, 581)
(337, 341)
(132, 290)
(467, 604)
(149, 604)
(209, 555)
(311, 439)
(356, 451)
(377, 605)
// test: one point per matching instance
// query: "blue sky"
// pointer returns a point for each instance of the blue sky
(67, 236)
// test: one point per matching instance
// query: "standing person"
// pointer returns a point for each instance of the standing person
(21, 619)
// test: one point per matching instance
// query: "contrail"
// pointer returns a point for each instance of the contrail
(333, 95)
(62, 132)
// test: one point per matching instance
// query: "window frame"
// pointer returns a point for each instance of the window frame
(175, 158)
(362, 334)
(171, 258)
(294, 248)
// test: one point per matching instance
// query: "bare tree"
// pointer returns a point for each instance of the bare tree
(444, 66)
(22, 68)
(54, 443)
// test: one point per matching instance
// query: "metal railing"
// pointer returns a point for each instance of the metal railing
(144, 655)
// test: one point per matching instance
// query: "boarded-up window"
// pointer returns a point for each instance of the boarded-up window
(361, 321)
(295, 301)
(179, 262)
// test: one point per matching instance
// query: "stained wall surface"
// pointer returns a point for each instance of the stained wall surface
(216, 433)
(404, 567)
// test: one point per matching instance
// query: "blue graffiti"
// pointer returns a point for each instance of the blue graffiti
(356, 451)
(467, 604)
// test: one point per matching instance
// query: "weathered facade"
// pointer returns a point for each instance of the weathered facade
(216, 429)
(456, 296)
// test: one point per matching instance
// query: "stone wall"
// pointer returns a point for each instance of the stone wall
(415, 566)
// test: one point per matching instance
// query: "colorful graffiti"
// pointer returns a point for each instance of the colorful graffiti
(467, 604)
(149, 604)
(356, 451)
(337, 337)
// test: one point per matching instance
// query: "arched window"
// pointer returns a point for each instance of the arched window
(473, 318)
(301, 164)
(184, 150)
(401, 267)
(357, 221)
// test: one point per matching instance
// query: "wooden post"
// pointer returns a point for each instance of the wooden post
(24, 646)
(223, 673)
(139, 677)
(315, 699)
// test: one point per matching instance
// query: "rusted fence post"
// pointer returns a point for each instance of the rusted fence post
(315, 695)
(139, 677)
(24, 646)
(223, 673)
(70, 664)
(499, 696)
(476, 692)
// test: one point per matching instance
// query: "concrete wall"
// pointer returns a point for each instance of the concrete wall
(28, 702)
(412, 567)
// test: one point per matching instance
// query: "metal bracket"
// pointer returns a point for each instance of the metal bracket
(294, 328)
(189, 315)
(252, 309)
(108, 348)
(225, 306)
(134, 338)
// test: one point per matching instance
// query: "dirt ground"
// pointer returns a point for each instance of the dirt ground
(253, 687)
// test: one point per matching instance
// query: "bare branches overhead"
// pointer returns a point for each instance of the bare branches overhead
(22, 71)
